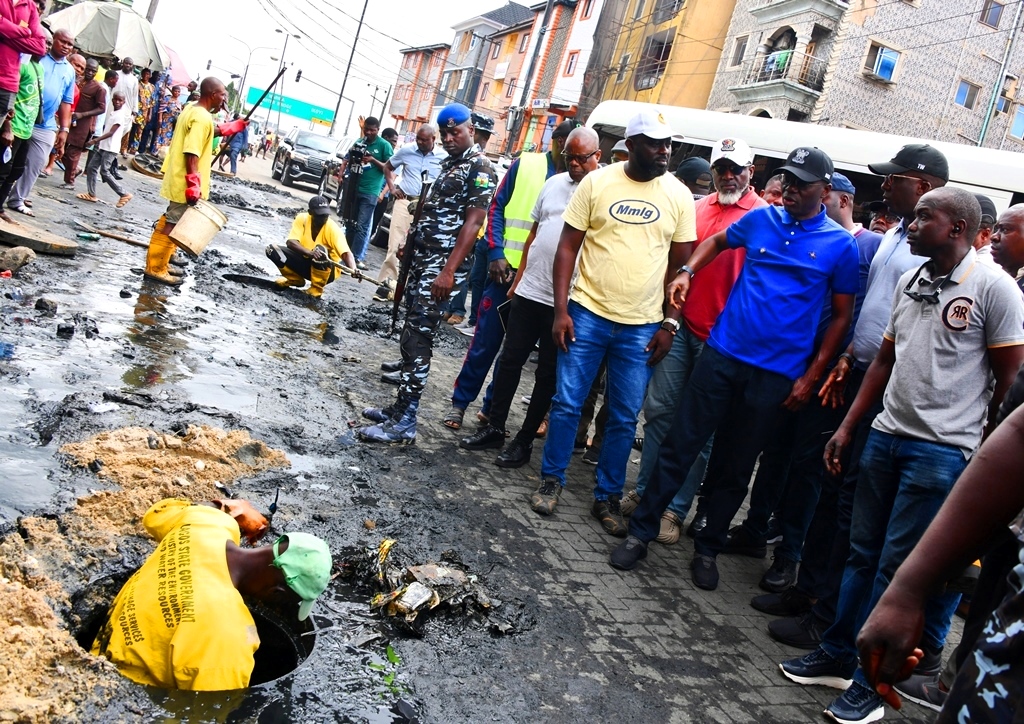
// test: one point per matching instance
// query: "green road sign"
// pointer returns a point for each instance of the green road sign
(291, 106)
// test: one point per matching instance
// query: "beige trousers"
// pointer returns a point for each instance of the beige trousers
(401, 220)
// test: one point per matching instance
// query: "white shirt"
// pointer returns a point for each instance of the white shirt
(123, 120)
(537, 282)
(128, 85)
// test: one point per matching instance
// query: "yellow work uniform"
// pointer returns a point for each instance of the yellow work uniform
(179, 623)
(630, 227)
(330, 237)
(193, 134)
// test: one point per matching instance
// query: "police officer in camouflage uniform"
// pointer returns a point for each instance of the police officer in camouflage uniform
(452, 216)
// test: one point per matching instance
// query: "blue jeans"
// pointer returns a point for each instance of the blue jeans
(483, 350)
(903, 483)
(233, 156)
(359, 238)
(628, 375)
(663, 395)
(740, 402)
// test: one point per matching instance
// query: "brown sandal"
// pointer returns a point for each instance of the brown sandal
(453, 420)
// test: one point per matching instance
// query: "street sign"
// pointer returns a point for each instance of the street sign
(291, 106)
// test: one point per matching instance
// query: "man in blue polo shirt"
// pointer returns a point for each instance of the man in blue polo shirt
(760, 357)
(58, 95)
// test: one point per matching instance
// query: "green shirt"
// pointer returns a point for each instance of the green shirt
(372, 180)
(26, 103)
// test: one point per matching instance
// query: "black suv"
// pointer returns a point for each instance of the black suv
(302, 156)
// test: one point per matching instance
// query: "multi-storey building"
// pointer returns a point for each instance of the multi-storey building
(419, 77)
(504, 73)
(665, 51)
(927, 68)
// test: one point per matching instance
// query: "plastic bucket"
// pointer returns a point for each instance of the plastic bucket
(197, 227)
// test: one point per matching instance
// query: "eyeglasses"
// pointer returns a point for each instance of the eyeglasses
(931, 297)
(891, 176)
(721, 168)
(790, 180)
(577, 158)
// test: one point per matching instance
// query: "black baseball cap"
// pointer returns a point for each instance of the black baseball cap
(564, 128)
(482, 122)
(915, 157)
(809, 165)
(988, 209)
(319, 205)
(879, 207)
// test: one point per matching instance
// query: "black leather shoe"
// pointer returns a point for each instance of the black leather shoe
(801, 632)
(515, 455)
(699, 523)
(741, 542)
(391, 366)
(790, 602)
(392, 378)
(486, 438)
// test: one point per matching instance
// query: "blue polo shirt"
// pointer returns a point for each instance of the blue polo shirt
(58, 87)
(791, 266)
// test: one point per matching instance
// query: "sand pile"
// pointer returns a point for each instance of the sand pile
(149, 466)
(44, 674)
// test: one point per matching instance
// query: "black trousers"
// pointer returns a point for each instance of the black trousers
(529, 323)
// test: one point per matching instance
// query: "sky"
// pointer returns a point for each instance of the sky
(225, 31)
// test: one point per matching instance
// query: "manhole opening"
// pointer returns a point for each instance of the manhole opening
(285, 642)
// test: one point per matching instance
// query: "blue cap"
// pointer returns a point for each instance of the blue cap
(452, 115)
(841, 183)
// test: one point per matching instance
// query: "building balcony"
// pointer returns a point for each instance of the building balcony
(795, 77)
(773, 12)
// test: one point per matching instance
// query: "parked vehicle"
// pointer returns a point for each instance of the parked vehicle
(330, 178)
(301, 156)
(987, 171)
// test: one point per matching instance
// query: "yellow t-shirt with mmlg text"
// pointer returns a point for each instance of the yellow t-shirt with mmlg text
(630, 227)
(179, 623)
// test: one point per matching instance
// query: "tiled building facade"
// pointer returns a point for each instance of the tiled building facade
(416, 87)
(927, 68)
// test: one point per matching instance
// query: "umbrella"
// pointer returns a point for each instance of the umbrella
(179, 76)
(111, 29)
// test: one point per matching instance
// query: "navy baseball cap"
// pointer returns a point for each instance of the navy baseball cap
(809, 165)
(319, 205)
(841, 183)
(452, 115)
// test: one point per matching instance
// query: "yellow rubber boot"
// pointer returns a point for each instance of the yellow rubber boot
(161, 249)
(318, 278)
(290, 279)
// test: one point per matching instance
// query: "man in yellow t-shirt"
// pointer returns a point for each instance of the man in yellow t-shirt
(314, 242)
(187, 172)
(632, 226)
(180, 621)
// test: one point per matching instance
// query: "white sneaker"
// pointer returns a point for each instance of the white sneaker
(465, 329)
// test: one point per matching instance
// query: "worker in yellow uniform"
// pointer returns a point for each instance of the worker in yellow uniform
(180, 621)
(187, 172)
(315, 245)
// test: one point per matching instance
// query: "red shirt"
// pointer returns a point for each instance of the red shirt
(19, 33)
(710, 288)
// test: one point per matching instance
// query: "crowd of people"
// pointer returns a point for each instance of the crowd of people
(856, 368)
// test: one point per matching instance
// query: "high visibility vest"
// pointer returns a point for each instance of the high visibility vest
(530, 178)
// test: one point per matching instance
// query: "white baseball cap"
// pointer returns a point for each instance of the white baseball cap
(734, 150)
(649, 123)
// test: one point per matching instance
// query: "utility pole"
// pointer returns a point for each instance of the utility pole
(151, 11)
(521, 116)
(348, 67)
(384, 108)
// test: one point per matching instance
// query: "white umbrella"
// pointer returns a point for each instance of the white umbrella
(111, 29)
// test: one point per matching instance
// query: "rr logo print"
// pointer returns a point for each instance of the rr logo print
(956, 313)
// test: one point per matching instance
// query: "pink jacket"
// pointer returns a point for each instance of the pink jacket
(19, 33)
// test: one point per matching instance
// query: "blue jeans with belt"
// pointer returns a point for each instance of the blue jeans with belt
(903, 483)
(624, 346)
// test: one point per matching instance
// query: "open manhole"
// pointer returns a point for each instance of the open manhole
(285, 642)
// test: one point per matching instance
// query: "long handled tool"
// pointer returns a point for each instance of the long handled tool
(110, 235)
(224, 151)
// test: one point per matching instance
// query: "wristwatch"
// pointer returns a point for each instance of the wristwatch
(65, 130)
(688, 269)
(670, 325)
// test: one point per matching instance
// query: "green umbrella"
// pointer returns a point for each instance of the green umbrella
(105, 29)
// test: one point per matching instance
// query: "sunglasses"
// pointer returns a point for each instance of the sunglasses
(931, 297)
(577, 158)
(790, 180)
(731, 168)
(892, 176)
